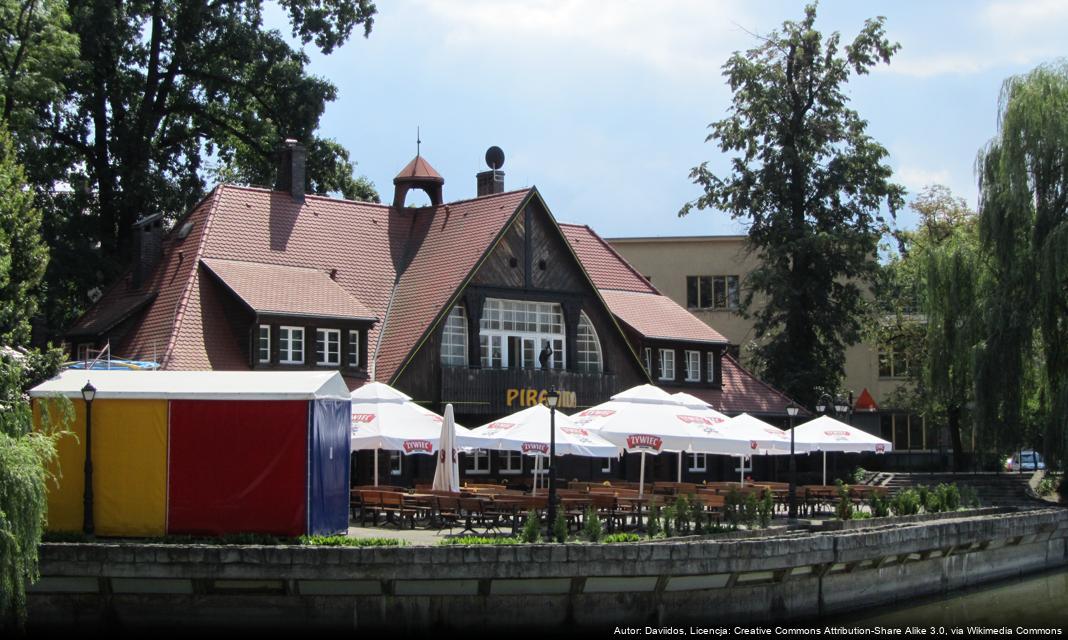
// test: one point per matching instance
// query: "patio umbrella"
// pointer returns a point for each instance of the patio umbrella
(385, 418)
(827, 434)
(643, 419)
(447, 473)
(527, 431)
(704, 409)
(760, 437)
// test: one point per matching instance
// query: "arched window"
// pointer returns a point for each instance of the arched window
(454, 339)
(588, 346)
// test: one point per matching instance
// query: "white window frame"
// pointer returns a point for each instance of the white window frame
(606, 465)
(454, 338)
(285, 345)
(693, 366)
(588, 346)
(83, 350)
(396, 463)
(325, 335)
(524, 319)
(667, 356)
(478, 462)
(260, 346)
(649, 360)
(711, 366)
(697, 462)
(354, 348)
(511, 463)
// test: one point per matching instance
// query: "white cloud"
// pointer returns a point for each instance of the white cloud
(1025, 18)
(915, 178)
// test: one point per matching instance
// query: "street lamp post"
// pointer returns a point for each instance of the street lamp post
(88, 394)
(792, 412)
(551, 399)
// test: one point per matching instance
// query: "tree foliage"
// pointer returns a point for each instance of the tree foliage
(810, 183)
(23, 254)
(1024, 227)
(125, 109)
(25, 459)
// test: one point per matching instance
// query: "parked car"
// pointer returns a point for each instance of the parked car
(1026, 460)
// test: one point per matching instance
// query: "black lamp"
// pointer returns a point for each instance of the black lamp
(552, 399)
(88, 394)
(791, 411)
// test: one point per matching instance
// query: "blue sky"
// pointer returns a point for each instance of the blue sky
(604, 105)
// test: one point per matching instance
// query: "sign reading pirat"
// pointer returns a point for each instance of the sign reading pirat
(530, 397)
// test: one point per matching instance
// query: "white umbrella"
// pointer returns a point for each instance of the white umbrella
(385, 418)
(760, 438)
(710, 416)
(447, 473)
(527, 431)
(827, 434)
(643, 420)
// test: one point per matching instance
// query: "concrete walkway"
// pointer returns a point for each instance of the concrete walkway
(420, 536)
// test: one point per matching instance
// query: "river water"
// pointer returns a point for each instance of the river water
(1035, 601)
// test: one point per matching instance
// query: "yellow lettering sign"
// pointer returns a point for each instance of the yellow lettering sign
(510, 396)
(531, 397)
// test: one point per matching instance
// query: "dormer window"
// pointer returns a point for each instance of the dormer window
(291, 345)
(327, 347)
(667, 364)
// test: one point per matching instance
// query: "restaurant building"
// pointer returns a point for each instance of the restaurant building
(485, 303)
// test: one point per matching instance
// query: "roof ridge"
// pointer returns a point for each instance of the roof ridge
(267, 264)
(183, 301)
(317, 196)
(485, 197)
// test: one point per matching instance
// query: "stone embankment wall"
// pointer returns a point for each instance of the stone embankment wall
(787, 576)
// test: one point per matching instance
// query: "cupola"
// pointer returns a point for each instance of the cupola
(417, 174)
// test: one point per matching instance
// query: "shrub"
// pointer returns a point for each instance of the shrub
(697, 515)
(969, 497)
(858, 475)
(844, 508)
(949, 496)
(861, 515)
(531, 528)
(752, 510)
(766, 509)
(1048, 486)
(933, 502)
(614, 538)
(922, 491)
(668, 522)
(345, 541)
(560, 527)
(906, 503)
(880, 506)
(652, 529)
(592, 530)
(732, 507)
(682, 514)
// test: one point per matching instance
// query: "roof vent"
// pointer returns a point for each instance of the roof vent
(492, 181)
(417, 174)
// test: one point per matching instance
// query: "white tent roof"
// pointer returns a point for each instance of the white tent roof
(384, 418)
(527, 431)
(763, 438)
(378, 391)
(197, 385)
(827, 434)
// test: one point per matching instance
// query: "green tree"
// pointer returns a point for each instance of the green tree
(810, 183)
(1022, 365)
(25, 456)
(23, 254)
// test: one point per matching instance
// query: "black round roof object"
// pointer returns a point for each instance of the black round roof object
(494, 158)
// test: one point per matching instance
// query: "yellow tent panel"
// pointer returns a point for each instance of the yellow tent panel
(65, 491)
(129, 470)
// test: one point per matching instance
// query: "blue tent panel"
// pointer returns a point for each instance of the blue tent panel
(328, 468)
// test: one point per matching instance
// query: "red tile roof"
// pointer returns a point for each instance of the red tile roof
(741, 392)
(418, 169)
(606, 267)
(659, 317)
(115, 306)
(269, 288)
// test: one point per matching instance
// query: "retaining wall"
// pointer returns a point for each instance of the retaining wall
(788, 576)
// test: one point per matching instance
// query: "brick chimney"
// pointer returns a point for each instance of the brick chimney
(148, 247)
(292, 158)
(490, 182)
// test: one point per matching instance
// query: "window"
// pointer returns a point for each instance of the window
(893, 361)
(291, 345)
(697, 462)
(693, 366)
(83, 351)
(711, 366)
(649, 361)
(396, 463)
(667, 364)
(478, 461)
(511, 462)
(328, 347)
(454, 339)
(264, 343)
(354, 348)
(513, 333)
(905, 431)
(589, 348)
(606, 465)
(719, 293)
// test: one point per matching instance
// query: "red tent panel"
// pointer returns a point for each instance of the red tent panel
(237, 467)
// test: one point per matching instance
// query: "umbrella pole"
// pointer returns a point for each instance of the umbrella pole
(641, 478)
(376, 466)
(537, 467)
(680, 467)
(825, 468)
(741, 469)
